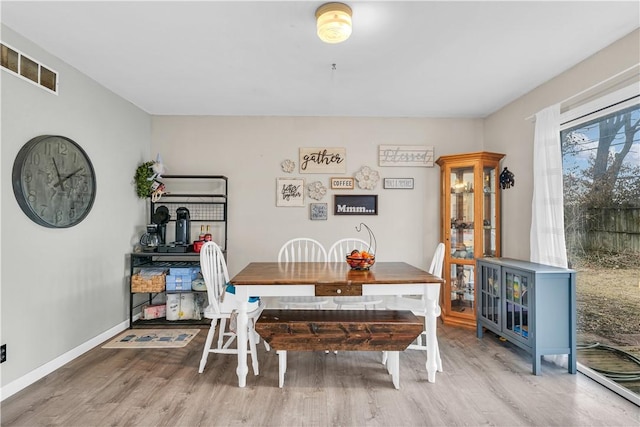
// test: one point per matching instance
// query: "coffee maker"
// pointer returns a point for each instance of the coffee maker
(183, 226)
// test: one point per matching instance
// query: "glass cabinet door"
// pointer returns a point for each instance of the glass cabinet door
(490, 217)
(516, 310)
(462, 239)
(489, 293)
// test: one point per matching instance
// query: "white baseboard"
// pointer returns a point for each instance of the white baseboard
(44, 370)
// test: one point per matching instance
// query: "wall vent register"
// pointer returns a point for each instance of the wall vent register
(27, 68)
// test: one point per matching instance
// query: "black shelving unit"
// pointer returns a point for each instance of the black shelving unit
(206, 198)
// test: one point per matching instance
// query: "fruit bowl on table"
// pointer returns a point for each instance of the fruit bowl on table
(360, 260)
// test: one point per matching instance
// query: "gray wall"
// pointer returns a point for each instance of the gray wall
(62, 287)
(249, 151)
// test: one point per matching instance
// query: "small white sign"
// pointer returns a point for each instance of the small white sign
(398, 183)
(405, 155)
(323, 160)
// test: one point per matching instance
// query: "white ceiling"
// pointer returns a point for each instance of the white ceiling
(404, 59)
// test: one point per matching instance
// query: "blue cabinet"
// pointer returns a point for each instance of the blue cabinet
(531, 305)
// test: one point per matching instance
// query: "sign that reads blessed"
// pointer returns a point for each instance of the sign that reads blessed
(323, 160)
(405, 155)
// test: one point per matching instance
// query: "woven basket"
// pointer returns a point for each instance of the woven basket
(154, 284)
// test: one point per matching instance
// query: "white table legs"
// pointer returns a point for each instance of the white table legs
(241, 333)
(432, 294)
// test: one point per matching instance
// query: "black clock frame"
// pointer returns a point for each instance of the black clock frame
(21, 197)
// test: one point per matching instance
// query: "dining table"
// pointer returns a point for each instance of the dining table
(323, 279)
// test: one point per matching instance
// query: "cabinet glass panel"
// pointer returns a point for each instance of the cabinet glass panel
(489, 294)
(462, 288)
(489, 220)
(517, 309)
(462, 186)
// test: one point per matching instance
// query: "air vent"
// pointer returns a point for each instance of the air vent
(21, 65)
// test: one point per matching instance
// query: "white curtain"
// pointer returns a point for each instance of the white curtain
(547, 213)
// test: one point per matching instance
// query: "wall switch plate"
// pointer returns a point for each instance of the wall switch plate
(3, 353)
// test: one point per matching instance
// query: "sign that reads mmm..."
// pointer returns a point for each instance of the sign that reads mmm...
(323, 160)
(405, 155)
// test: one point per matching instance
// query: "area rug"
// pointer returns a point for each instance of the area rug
(153, 338)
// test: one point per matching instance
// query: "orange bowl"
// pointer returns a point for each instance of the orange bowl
(360, 263)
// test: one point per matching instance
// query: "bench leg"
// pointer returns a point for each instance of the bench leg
(282, 366)
(393, 367)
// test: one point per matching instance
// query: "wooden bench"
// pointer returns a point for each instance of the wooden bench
(340, 330)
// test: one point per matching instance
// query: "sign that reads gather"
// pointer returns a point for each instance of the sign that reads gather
(323, 160)
(405, 155)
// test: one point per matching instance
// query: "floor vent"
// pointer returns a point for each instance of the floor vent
(21, 65)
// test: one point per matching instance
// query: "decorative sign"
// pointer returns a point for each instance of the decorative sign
(318, 211)
(290, 192)
(405, 155)
(323, 160)
(361, 204)
(338, 183)
(398, 183)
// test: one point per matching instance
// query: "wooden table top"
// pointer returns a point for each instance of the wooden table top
(312, 273)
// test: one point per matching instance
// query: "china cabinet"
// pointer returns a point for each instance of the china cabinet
(530, 305)
(470, 228)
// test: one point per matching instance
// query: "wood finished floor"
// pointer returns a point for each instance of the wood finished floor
(485, 382)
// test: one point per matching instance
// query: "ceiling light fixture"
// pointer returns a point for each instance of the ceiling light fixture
(334, 22)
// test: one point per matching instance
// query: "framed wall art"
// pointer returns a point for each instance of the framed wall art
(398, 183)
(323, 160)
(405, 155)
(318, 211)
(342, 183)
(289, 192)
(358, 204)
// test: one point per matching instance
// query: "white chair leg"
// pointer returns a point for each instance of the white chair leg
(438, 359)
(223, 327)
(254, 352)
(282, 366)
(385, 356)
(207, 345)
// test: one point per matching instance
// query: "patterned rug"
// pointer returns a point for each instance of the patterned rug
(153, 338)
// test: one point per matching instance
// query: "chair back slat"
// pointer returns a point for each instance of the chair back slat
(302, 249)
(215, 273)
(343, 247)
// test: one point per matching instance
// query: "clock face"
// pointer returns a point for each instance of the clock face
(54, 181)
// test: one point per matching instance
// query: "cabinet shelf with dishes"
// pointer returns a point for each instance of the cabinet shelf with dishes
(470, 228)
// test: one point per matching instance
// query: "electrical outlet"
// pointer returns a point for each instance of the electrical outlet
(3, 353)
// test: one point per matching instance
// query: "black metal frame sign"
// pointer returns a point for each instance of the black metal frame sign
(359, 204)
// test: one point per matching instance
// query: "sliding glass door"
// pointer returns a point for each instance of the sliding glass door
(601, 173)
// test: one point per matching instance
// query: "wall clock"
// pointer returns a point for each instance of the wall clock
(54, 181)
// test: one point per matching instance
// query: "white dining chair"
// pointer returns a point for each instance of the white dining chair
(418, 306)
(337, 253)
(221, 305)
(302, 249)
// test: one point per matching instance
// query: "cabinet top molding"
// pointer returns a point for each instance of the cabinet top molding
(484, 155)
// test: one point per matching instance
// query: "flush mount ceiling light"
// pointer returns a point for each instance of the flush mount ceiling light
(334, 22)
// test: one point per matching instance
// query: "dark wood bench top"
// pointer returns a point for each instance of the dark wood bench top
(360, 330)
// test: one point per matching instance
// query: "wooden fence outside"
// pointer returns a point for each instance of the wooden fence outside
(612, 229)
